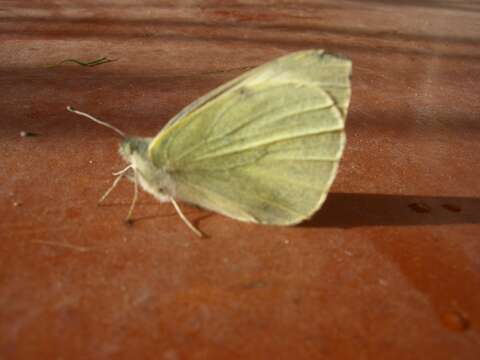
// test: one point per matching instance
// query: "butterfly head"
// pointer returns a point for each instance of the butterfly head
(132, 146)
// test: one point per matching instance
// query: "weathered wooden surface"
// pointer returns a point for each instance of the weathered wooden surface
(389, 268)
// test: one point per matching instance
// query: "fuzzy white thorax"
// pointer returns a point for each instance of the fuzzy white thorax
(152, 179)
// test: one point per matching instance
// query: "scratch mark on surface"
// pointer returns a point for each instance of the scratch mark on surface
(64, 245)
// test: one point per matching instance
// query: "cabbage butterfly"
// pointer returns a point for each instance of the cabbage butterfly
(262, 148)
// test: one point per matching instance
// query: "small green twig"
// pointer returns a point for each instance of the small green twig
(100, 61)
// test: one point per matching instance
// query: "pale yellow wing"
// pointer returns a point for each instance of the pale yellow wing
(267, 148)
(272, 69)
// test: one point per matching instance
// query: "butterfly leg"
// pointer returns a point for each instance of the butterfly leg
(135, 195)
(120, 174)
(184, 218)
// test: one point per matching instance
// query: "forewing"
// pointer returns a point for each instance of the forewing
(301, 65)
(267, 149)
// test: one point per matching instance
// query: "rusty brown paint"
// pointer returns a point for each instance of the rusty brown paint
(366, 278)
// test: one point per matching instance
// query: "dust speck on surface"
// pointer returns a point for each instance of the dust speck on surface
(170, 355)
(383, 282)
(27, 134)
(420, 207)
(257, 284)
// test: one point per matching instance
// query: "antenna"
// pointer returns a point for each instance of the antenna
(118, 131)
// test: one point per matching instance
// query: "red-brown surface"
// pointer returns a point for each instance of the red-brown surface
(390, 266)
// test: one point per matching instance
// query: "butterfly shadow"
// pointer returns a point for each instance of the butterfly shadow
(348, 210)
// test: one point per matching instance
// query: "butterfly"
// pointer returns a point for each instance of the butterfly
(262, 148)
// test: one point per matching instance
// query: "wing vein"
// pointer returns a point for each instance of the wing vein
(269, 142)
(293, 183)
(238, 128)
